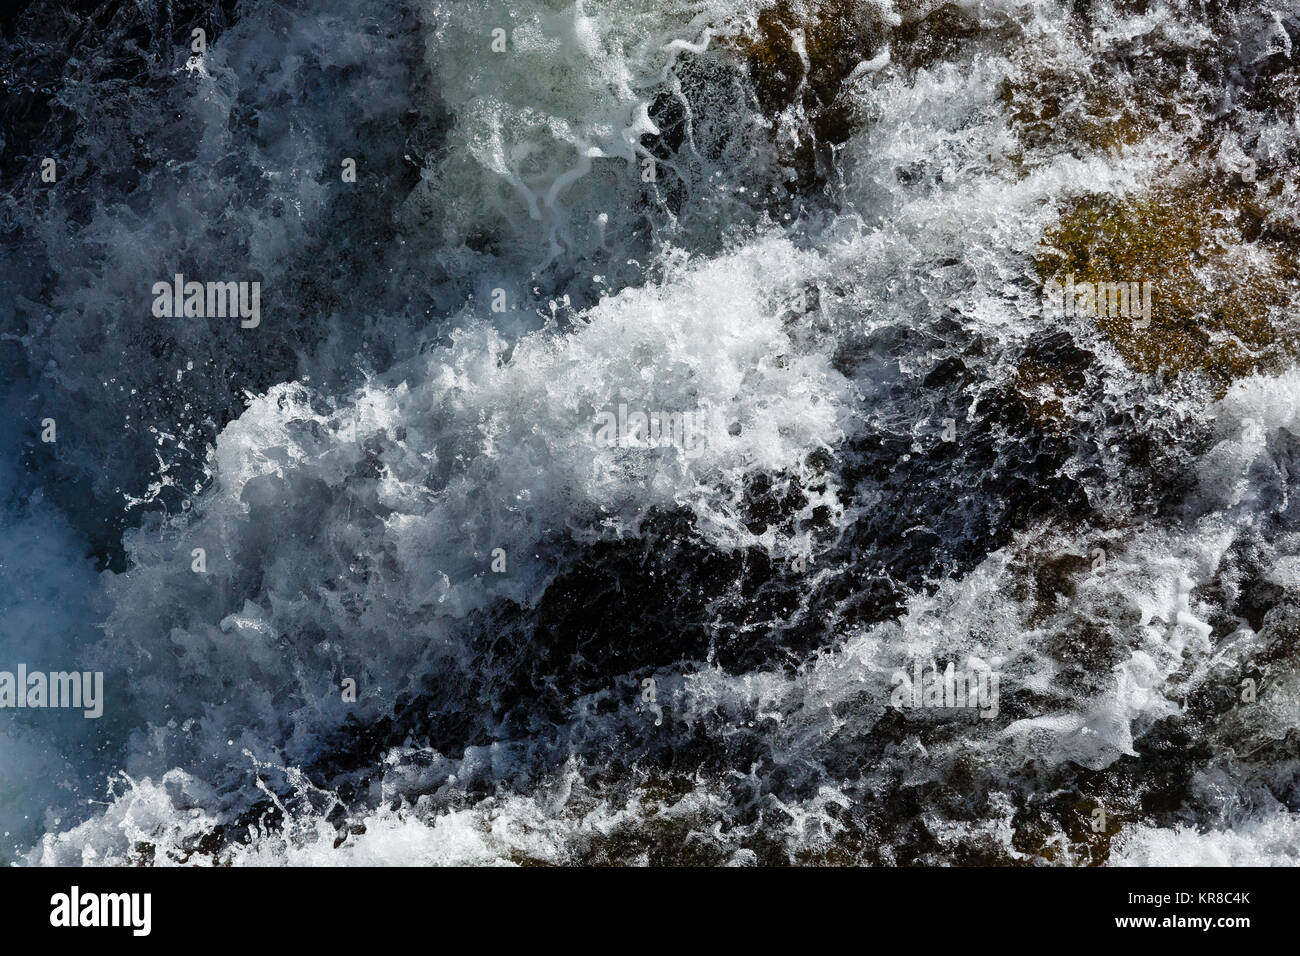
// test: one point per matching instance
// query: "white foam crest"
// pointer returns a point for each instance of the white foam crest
(1272, 840)
(358, 542)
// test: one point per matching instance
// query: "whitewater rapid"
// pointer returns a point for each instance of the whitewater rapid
(394, 478)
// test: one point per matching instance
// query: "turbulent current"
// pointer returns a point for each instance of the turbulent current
(930, 557)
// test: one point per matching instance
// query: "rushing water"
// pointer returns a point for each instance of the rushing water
(816, 232)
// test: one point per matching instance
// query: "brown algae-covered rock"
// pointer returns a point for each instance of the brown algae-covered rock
(1220, 288)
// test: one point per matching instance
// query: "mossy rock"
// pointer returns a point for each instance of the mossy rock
(800, 53)
(797, 58)
(1221, 286)
(1107, 99)
(1041, 108)
(836, 35)
(940, 35)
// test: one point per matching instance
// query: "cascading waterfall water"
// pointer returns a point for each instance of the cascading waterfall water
(823, 228)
